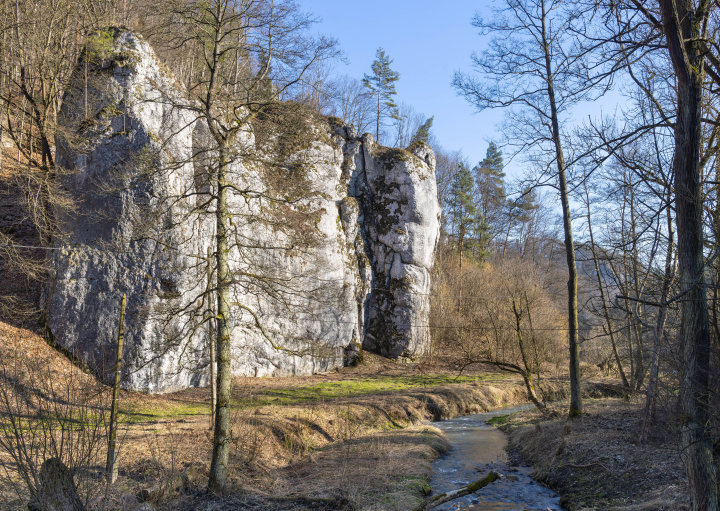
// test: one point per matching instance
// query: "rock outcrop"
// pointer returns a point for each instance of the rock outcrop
(142, 228)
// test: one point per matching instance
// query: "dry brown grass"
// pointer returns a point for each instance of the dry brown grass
(355, 451)
(596, 462)
(48, 409)
(352, 451)
(369, 452)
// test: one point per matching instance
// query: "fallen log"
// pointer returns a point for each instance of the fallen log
(438, 500)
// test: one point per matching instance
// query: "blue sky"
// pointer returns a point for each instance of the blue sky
(428, 41)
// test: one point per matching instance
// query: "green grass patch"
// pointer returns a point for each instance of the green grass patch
(362, 387)
(417, 485)
(499, 420)
(138, 414)
(300, 395)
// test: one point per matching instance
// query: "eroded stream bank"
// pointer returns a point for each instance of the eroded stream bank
(478, 447)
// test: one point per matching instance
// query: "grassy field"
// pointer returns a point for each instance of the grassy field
(251, 393)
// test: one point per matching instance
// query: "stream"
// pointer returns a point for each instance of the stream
(477, 448)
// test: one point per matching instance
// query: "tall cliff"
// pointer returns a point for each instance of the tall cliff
(136, 165)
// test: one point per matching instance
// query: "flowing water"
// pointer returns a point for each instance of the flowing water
(477, 448)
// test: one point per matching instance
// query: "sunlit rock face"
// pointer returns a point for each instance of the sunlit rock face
(135, 163)
(122, 237)
(397, 191)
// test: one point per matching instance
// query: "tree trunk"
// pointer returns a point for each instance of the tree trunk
(633, 373)
(2, 113)
(601, 288)
(534, 342)
(507, 239)
(460, 249)
(377, 127)
(221, 440)
(57, 489)
(211, 342)
(650, 397)
(111, 467)
(639, 366)
(527, 373)
(573, 333)
(639, 362)
(684, 32)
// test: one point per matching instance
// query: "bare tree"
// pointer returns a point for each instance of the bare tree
(316, 89)
(406, 124)
(448, 163)
(42, 405)
(536, 70)
(351, 103)
(506, 318)
(276, 50)
(597, 253)
(39, 45)
(688, 30)
(685, 25)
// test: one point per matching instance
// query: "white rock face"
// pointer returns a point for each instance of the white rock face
(399, 196)
(141, 229)
(117, 242)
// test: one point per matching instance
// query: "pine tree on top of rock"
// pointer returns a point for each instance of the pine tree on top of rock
(381, 86)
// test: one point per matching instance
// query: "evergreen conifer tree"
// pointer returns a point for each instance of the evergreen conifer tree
(490, 193)
(381, 85)
(422, 135)
(467, 220)
(490, 180)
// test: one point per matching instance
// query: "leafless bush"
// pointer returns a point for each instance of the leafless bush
(499, 314)
(50, 415)
(249, 439)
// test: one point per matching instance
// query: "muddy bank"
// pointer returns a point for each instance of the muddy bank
(596, 462)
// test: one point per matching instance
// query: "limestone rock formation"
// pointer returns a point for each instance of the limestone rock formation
(117, 144)
(141, 228)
